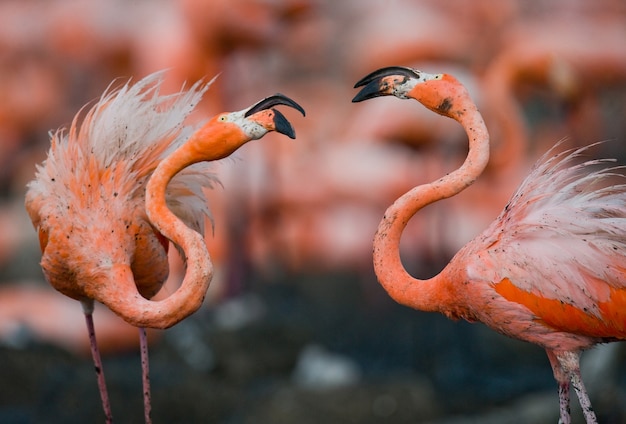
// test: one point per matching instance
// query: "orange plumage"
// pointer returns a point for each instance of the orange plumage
(549, 270)
(118, 185)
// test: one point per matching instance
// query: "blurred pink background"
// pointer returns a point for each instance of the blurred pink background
(539, 70)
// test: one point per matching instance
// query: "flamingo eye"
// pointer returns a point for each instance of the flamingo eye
(222, 118)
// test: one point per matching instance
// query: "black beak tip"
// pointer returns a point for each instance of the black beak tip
(371, 82)
(282, 125)
(371, 90)
(293, 104)
(384, 72)
(275, 100)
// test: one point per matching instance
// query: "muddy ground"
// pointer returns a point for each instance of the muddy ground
(384, 364)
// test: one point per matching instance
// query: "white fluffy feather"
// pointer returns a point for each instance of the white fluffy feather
(133, 127)
(565, 219)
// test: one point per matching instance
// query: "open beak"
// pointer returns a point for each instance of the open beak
(281, 124)
(374, 84)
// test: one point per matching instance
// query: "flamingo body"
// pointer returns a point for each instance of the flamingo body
(550, 270)
(88, 198)
(116, 188)
(538, 263)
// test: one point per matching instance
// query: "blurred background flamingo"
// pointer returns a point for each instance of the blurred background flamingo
(297, 223)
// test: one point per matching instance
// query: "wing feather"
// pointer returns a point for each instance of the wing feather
(127, 132)
(562, 236)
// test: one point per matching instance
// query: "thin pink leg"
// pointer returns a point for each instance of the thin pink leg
(570, 366)
(145, 374)
(564, 403)
(583, 398)
(97, 361)
(562, 380)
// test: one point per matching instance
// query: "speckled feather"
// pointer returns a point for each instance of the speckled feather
(551, 269)
(88, 197)
(564, 220)
(125, 135)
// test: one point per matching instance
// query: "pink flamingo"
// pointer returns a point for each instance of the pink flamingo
(117, 186)
(550, 270)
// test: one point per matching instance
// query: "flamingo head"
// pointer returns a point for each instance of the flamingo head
(438, 92)
(261, 117)
(227, 132)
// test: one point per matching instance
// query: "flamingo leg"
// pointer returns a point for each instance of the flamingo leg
(581, 392)
(145, 374)
(566, 367)
(97, 360)
(563, 382)
(564, 403)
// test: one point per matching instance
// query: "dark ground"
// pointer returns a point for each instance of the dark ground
(414, 367)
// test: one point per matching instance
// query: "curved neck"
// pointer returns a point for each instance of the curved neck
(401, 286)
(199, 272)
(211, 142)
(123, 297)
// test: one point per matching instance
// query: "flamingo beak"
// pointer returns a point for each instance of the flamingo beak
(377, 84)
(279, 122)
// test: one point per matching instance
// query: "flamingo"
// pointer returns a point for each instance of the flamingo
(550, 269)
(104, 207)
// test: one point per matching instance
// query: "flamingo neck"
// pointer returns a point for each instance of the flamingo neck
(190, 295)
(209, 143)
(402, 287)
(123, 297)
